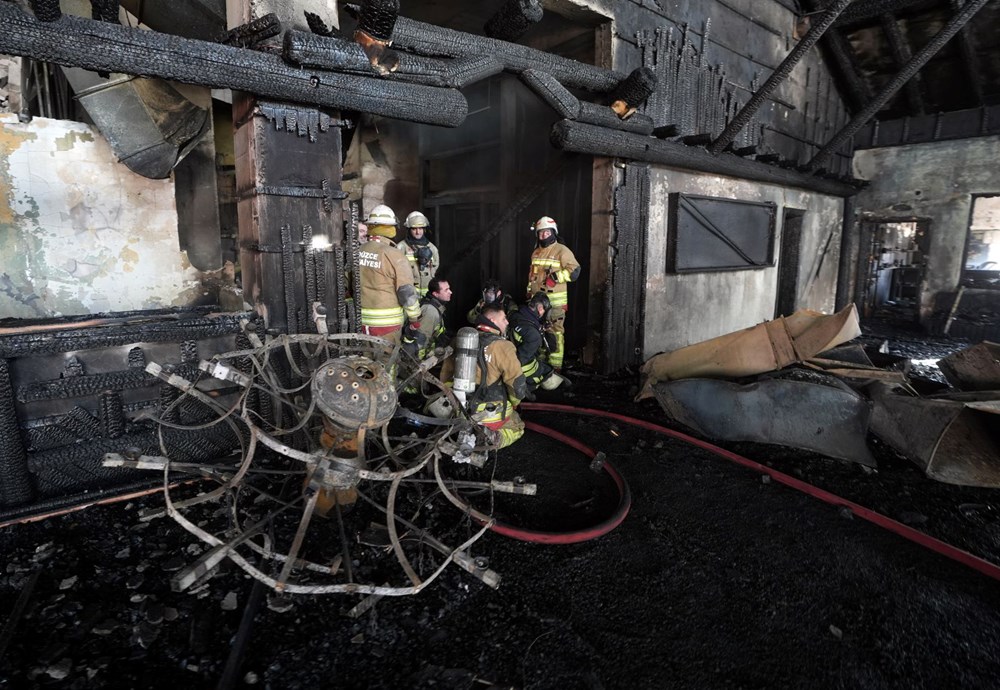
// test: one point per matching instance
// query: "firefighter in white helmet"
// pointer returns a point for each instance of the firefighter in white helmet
(388, 296)
(552, 267)
(420, 251)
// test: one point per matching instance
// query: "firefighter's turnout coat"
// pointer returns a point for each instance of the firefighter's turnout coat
(388, 296)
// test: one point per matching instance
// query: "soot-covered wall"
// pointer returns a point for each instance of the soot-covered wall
(79, 232)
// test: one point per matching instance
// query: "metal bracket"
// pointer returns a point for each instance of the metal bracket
(324, 191)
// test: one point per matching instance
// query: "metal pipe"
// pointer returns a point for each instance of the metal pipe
(815, 32)
(897, 82)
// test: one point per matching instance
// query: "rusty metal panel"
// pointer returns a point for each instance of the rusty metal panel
(827, 418)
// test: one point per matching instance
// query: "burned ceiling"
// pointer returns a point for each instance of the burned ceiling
(873, 39)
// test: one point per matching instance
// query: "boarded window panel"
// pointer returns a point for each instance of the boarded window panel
(710, 234)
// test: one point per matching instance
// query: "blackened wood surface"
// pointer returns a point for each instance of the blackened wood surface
(625, 296)
(75, 42)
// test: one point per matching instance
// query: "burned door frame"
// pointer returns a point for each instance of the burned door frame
(787, 290)
(864, 291)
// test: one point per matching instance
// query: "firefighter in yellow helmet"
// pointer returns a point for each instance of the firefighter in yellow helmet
(420, 251)
(388, 297)
(552, 267)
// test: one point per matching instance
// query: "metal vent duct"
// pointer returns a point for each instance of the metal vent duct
(148, 123)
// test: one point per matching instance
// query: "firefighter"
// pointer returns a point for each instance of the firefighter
(493, 293)
(420, 252)
(502, 387)
(526, 326)
(388, 297)
(432, 309)
(552, 267)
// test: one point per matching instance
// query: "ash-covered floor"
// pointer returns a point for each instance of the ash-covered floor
(717, 578)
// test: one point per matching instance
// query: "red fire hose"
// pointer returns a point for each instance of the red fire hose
(928, 542)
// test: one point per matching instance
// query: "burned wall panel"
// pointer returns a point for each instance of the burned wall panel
(933, 181)
(71, 392)
(79, 232)
(681, 309)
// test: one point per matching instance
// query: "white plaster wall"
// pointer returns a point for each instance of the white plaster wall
(935, 181)
(682, 309)
(79, 232)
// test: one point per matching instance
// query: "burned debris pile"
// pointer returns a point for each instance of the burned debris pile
(799, 381)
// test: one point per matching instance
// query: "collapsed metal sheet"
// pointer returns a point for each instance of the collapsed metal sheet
(955, 438)
(828, 419)
(976, 368)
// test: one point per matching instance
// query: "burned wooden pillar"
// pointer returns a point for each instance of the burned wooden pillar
(288, 174)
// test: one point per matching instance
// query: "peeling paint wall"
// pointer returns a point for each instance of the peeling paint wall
(682, 309)
(934, 181)
(79, 232)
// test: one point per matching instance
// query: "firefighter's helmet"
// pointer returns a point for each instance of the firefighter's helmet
(546, 223)
(382, 221)
(542, 299)
(416, 219)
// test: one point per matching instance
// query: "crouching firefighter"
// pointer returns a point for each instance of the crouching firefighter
(432, 308)
(486, 361)
(526, 330)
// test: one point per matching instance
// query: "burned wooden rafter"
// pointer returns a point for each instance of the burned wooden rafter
(339, 55)
(569, 107)
(838, 52)
(864, 10)
(781, 72)
(436, 41)
(513, 19)
(252, 33)
(581, 137)
(901, 55)
(75, 42)
(376, 19)
(904, 75)
(969, 58)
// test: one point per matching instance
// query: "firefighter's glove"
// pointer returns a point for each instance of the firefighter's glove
(413, 339)
(551, 342)
(424, 256)
(550, 280)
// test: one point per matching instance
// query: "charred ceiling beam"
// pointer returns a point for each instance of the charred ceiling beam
(98, 46)
(310, 50)
(781, 72)
(953, 26)
(600, 141)
(436, 41)
(203, 19)
(568, 106)
(867, 10)
(838, 52)
(901, 55)
(969, 57)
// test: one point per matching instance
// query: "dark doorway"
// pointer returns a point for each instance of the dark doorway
(473, 173)
(788, 263)
(893, 260)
